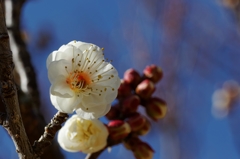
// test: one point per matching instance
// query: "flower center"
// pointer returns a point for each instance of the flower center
(78, 81)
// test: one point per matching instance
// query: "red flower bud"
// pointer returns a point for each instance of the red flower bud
(145, 89)
(124, 90)
(132, 77)
(118, 129)
(143, 151)
(153, 73)
(130, 143)
(145, 128)
(156, 108)
(130, 104)
(113, 113)
(136, 121)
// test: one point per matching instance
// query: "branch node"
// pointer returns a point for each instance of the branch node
(49, 133)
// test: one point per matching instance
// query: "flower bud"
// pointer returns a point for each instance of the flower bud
(131, 142)
(113, 113)
(132, 77)
(130, 104)
(145, 89)
(136, 122)
(118, 129)
(145, 128)
(124, 90)
(156, 108)
(143, 151)
(87, 136)
(153, 73)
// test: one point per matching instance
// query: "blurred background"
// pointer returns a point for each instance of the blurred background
(196, 43)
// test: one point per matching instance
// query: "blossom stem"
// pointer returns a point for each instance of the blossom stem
(49, 133)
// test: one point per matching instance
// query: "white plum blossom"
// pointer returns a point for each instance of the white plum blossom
(82, 80)
(82, 135)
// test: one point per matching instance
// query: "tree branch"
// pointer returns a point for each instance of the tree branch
(29, 99)
(50, 131)
(13, 124)
(2, 118)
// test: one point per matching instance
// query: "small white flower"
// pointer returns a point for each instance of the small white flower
(82, 80)
(87, 136)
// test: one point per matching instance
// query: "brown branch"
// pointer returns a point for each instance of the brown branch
(2, 118)
(13, 123)
(23, 52)
(50, 131)
(29, 102)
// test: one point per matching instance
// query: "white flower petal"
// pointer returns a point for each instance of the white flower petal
(79, 44)
(65, 143)
(51, 58)
(93, 112)
(68, 53)
(61, 88)
(54, 102)
(79, 69)
(57, 68)
(66, 105)
(87, 136)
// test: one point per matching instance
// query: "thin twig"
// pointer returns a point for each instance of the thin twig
(50, 131)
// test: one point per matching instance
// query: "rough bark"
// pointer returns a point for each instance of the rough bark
(29, 102)
(13, 123)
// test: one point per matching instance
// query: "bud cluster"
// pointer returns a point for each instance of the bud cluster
(126, 123)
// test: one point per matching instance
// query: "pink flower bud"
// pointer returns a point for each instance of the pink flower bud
(145, 128)
(145, 89)
(136, 122)
(130, 104)
(113, 113)
(130, 143)
(132, 77)
(156, 108)
(143, 151)
(118, 129)
(153, 73)
(124, 90)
